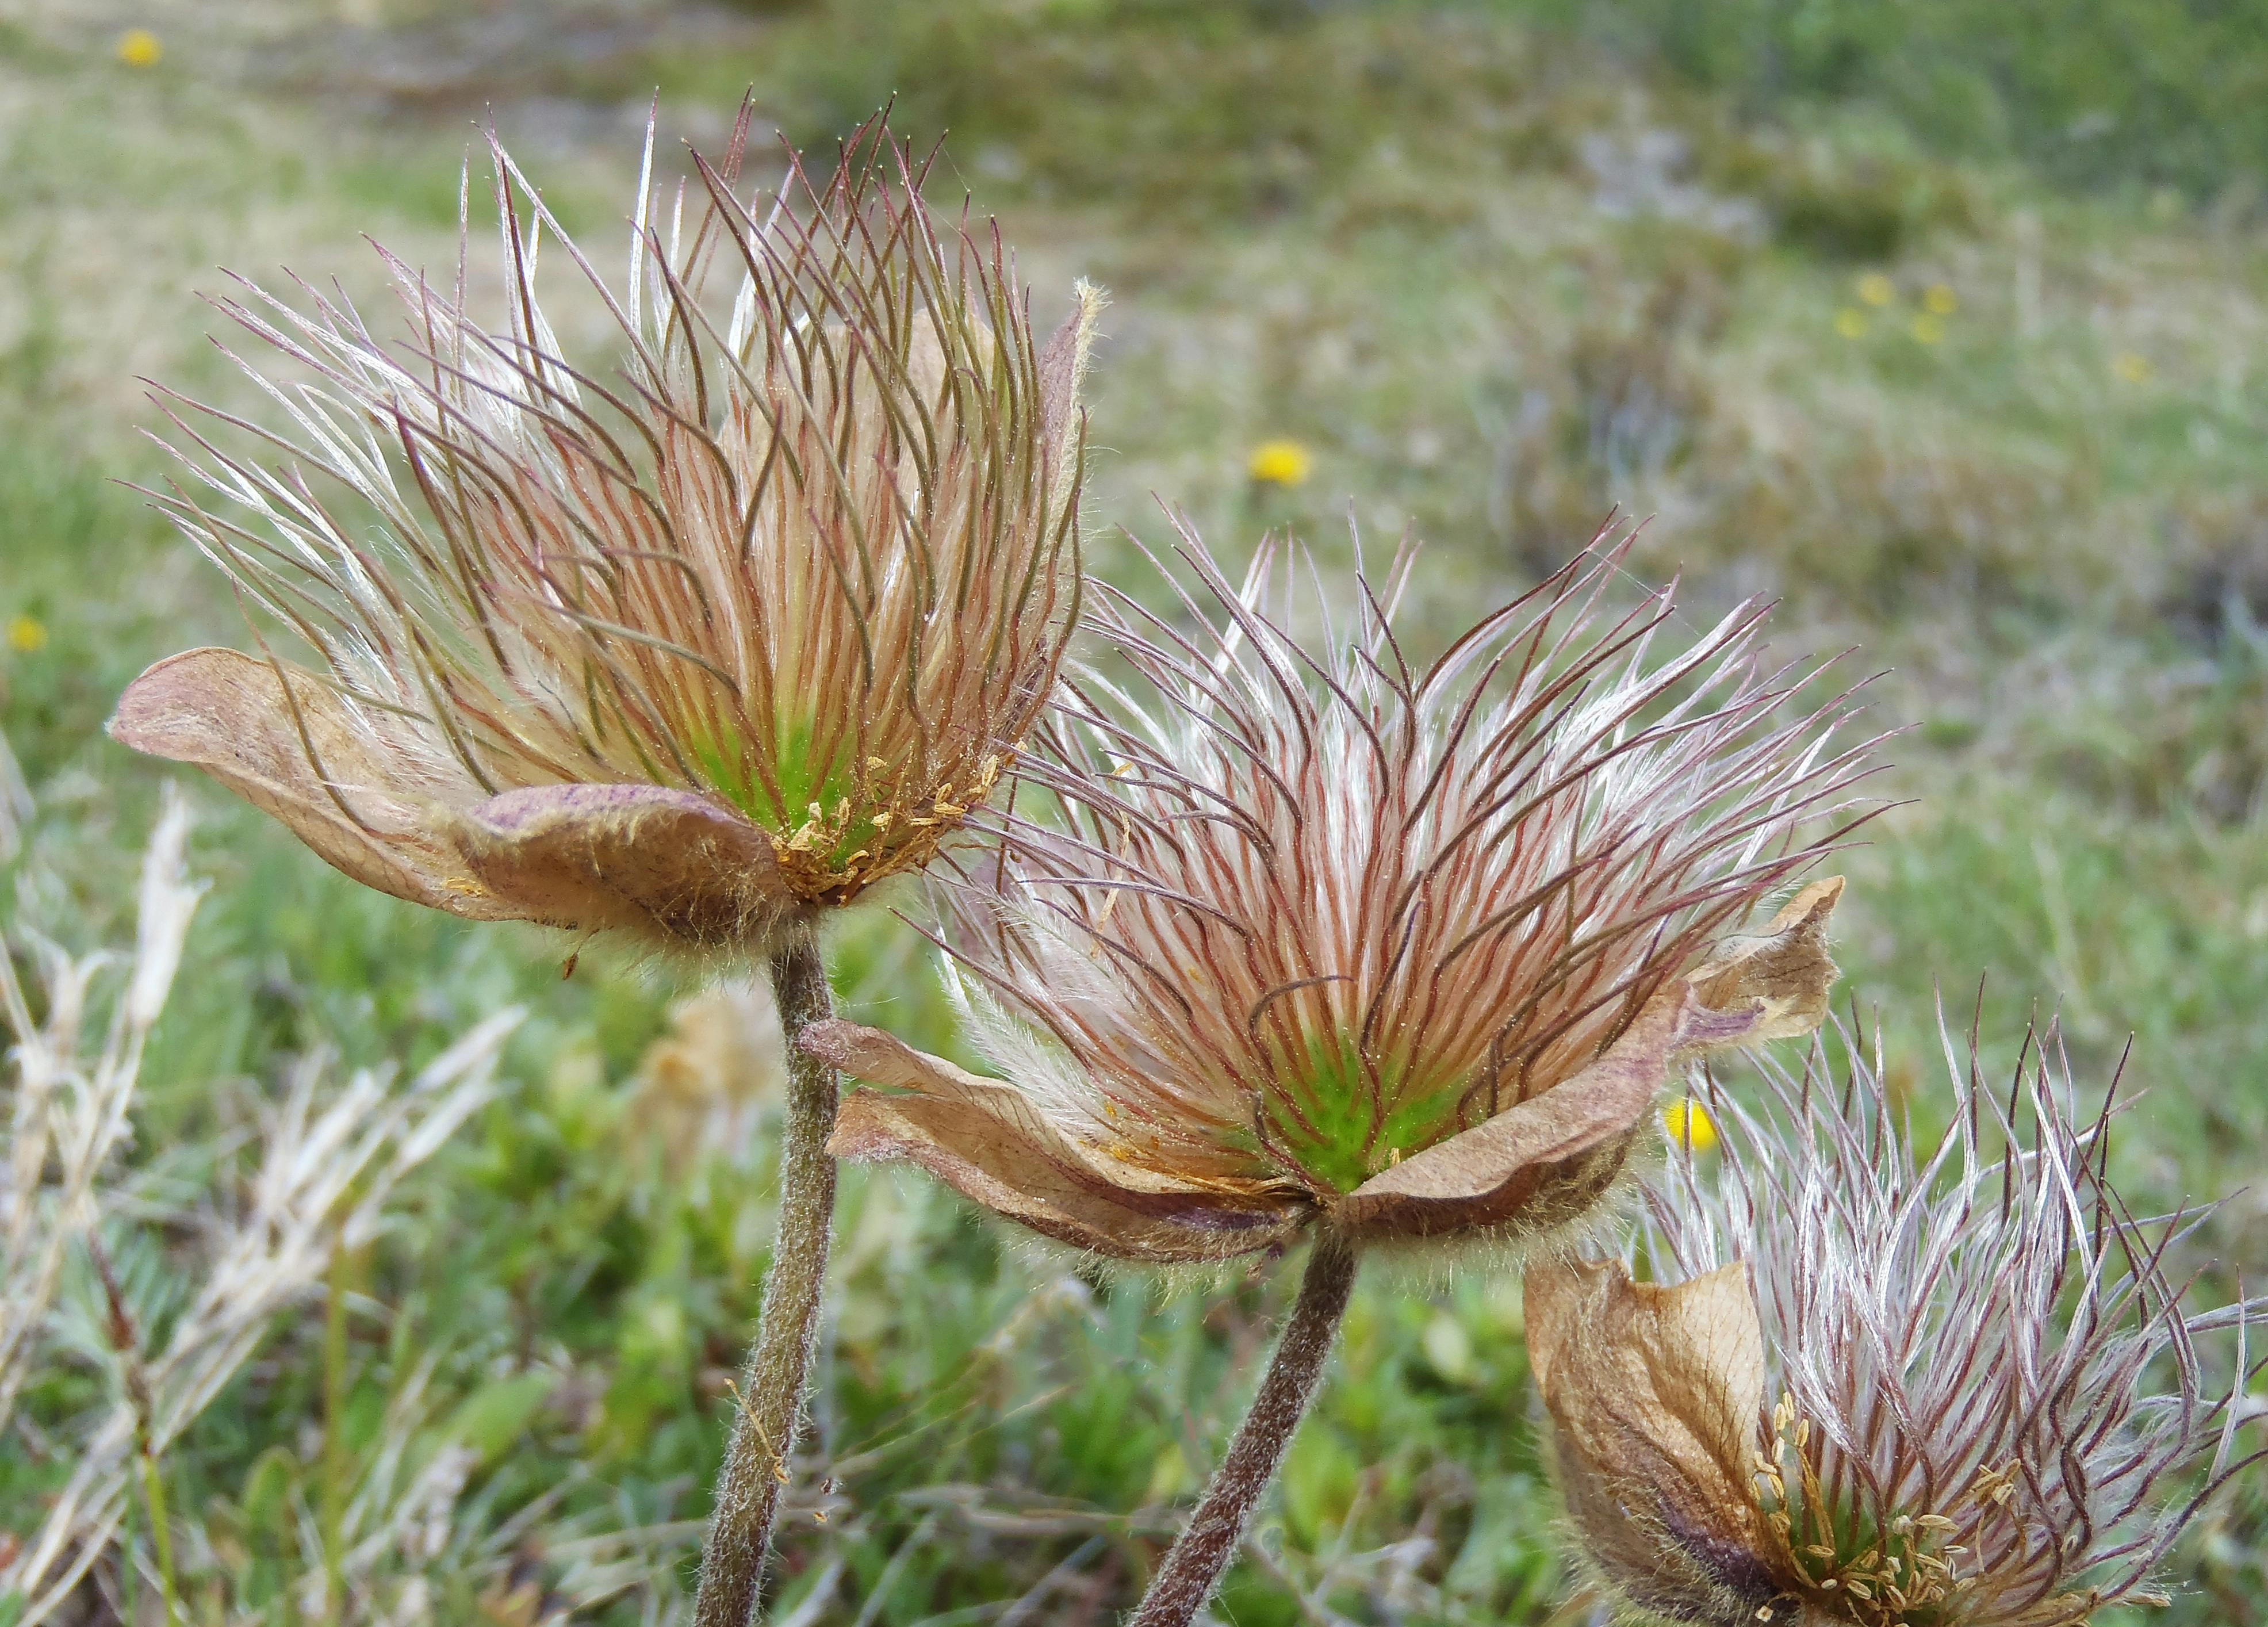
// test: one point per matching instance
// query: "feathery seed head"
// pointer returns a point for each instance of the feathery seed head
(691, 647)
(1327, 934)
(1869, 1385)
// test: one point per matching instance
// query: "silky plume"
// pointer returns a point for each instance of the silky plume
(695, 647)
(1872, 1382)
(1280, 941)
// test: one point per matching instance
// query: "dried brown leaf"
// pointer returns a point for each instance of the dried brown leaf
(1786, 966)
(1543, 1160)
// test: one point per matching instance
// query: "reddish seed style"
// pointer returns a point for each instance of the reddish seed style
(1878, 1384)
(694, 642)
(1276, 935)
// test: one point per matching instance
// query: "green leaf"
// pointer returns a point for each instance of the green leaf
(493, 1417)
(267, 1491)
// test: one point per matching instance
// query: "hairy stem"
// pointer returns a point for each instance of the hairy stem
(755, 1474)
(1209, 1542)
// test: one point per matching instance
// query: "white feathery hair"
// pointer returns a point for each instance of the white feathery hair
(1975, 1332)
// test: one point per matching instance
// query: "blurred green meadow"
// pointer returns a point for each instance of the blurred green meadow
(1944, 325)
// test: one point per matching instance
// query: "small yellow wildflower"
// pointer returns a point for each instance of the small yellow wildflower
(1851, 322)
(1940, 300)
(1929, 330)
(27, 635)
(138, 47)
(1877, 290)
(2132, 366)
(1688, 1124)
(1280, 463)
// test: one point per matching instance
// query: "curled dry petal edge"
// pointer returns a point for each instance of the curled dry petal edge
(279, 737)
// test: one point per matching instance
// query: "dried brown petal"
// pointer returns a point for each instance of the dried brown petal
(642, 858)
(1656, 1395)
(1786, 966)
(232, 716)
(1543, 1161)
(987, 1140)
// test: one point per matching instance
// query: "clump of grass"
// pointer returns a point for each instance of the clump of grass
(113, 1343)
(2098, 93)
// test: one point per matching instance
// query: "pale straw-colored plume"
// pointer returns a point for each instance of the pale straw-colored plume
(1872, 1383)
(1287, 936)
(693, 640)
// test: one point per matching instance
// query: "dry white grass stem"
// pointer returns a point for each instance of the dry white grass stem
(330, 1161)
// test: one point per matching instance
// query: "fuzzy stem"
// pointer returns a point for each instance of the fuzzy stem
(1209, 1542)
(754, 1472)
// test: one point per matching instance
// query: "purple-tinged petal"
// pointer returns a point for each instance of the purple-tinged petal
(1656, 1396)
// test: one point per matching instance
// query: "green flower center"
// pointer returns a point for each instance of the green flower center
(1343, 1117)
(830, 785)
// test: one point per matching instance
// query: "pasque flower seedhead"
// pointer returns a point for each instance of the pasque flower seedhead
(1872, 1384)
(1288, 935)
(693, 648)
